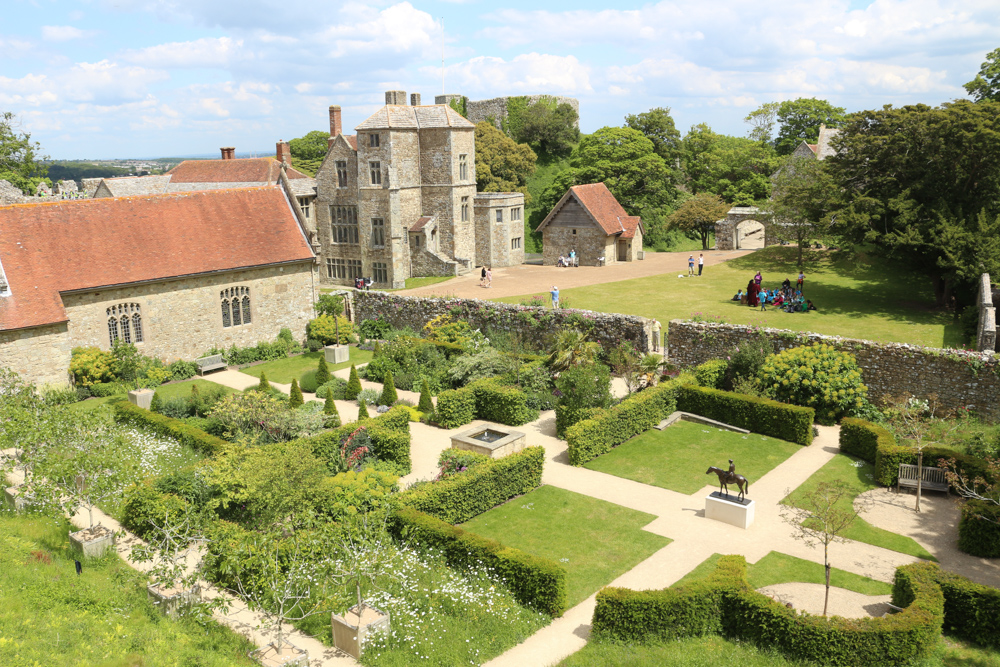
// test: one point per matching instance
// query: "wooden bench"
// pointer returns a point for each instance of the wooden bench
(210, 363)
(932, 478)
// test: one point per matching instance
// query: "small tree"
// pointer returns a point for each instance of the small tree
(363, 551)
(697, 216)
(362, 410)
(906, 419)
(329, 304)
(295, 395)
(156, 404)
(820, 517)
(322, 372)
(573, 349)
(977, 488)
(264, 385)
(330, 410)
(389, 396)
(426, 405)
(353, 387)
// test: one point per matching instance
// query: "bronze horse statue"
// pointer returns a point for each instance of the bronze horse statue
(726, 478)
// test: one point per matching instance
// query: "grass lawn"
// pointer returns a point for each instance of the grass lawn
(183, 389)
(877, 302)
(94, 403)
(302, 366)
(594, 540)
(861, 477)
(684, 244)
(51, 616)
(424, 281)
(677, 457)
(779, 568)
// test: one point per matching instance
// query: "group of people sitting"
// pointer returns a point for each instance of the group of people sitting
(567, 261)
(785, 298)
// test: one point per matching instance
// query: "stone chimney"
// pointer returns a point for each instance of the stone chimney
(414, 99)
(283, 153)
(228, 152)
(397, 97)
(335, 125)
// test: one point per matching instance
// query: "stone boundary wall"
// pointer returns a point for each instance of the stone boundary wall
(957, 378)
(986, 333)
(496, 108)
(536, 324)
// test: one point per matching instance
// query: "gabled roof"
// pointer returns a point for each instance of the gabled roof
(631, 223)
(243, 170)
(601, 206)
(134, 186)
(394, 116)
(421, 223)
(352, 140)
(79, 244)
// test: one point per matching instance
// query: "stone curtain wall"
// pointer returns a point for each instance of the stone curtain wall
(986, 333)
(10, 195)
(496, 108)
(535, 324)
(958, 378)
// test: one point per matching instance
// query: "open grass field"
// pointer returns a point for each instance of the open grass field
(779, 568)
(861, 477)
(675, 458)
(51, 616)
(594, 540)
(303, 366)
(877, 302)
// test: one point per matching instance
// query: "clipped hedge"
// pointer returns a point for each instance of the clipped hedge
(863, 439)
(455, 407)
(725, 604)
(609, 428)
(979, 529)
(712, 373)
(389, 432)
(484, 399)
(467, 495)
(793, 423)
(971, 610)
(536, 582)
(186, 434)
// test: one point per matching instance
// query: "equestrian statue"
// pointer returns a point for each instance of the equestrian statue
(727, 477)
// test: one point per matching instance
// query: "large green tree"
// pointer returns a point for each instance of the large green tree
(735, 168)
(549, 126)
(799, 121)
(986, 85)
(502, 164)
(308, 151)
(658, 126)
(803, 198)
(697, 216)
(20, 161)
(921, 184)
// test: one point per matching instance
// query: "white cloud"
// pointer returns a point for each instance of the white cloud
(526, 73)
(61, 33)
(206, 52)
(400, 28)
(102, 82)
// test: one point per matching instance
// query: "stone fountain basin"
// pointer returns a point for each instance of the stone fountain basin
(493, 440)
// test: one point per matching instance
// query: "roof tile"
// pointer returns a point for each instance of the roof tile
(243, 170)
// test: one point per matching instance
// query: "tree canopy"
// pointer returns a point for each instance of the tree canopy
(658, 126)
(986, 85)
(697, 216)
(502, 164)
(308, 151)
(735, 168)
(550, 126)
(803, 198)
(799, 121)
(20, 161)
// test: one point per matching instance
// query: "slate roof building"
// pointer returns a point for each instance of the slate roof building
(175, 274)
(589, 220)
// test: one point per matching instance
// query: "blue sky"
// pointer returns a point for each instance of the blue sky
(148, 78)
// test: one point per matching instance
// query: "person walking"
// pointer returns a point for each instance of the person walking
(701, 262)
(798, 283)
(482, 277)
(691, 265)
(555, 296)
(763, 300)
(489, 276)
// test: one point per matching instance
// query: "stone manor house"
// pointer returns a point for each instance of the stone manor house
(398, 199)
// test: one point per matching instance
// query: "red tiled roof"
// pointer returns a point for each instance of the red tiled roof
(601, 205)
(813, 147)
(243, 170)
(69, 245)
(352, 139)
(421, 223)
(631, 223)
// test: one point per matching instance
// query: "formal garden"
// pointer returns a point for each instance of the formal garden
(307, 502)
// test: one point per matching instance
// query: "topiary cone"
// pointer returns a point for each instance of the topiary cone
(426, 405)
(322, 373)
(263, 385)
(156, 404)
(389, 396)
(330, 410)
(362, 411)
(295, 395)
(353, 387)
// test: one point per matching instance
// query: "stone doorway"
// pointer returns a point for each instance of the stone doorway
(623, 251)
(748, 234)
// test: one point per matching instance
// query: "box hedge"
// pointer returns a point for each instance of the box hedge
(389, 432)
(186, 434)
(712, 373)
(484, 399)
(609, 428)
(979, 529)
(725, 604)
(536, 582)
(971, 610)
(455, 407)
(467, 495)
(760, 415)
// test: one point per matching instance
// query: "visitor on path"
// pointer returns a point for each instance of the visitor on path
(572, 257)
(555, 296)
(656, 336)
(691, 265)
(482, 277)
(763, 300)
(489, 276)
(701, 262)
(798, 284)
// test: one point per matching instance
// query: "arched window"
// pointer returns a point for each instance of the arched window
(125, 323)
(235, 306)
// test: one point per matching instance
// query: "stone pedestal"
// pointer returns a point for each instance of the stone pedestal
(142, 398)
(15, 500)
(93, 542)
(505, 440)
(729, 510)
(289, 656)
(337, 354)
(351, 629)
(173, 601)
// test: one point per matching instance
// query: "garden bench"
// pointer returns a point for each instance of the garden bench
(932, 478)
(210, 363)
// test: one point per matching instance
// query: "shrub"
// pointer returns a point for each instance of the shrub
(379, 367)
(322, 372)
(818, 376)
(156, 404)
(745, 362)
(455, 407)
(182, 370)
(497, 403)
(538, 583)
(389, 395)
(330, 410)
(453, 461)
(353, 387)
(324, 329)
(336, 385)
(471, 367)
(314, 345)
(362, 410)
(185, 434)
(606, 429)
(104, 389)
(350, 493)
(369, 396)
(175, 408)
(970, 609)
(374, 329)
(389, 433)
(263, 385)
(426, 405)
(446, 329)
(83, 393)
(144, 506)
(979, 529)
(760, 415)
(581, 388)
(295, 398)
(90, 365)
(712, 373)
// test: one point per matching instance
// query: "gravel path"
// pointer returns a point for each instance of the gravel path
(809, 597)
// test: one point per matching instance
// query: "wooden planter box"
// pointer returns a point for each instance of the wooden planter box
(290, 656)
(337, 354)
(172, 601)
(351, 630)
(93, 542)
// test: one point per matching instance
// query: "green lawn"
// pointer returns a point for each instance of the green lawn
(779, 568)
(51, 616)
(94, 403)
(303, 366)
(878, 302)
(861, 477)
(594, 540)
(183, 389)
(424, 281)
(677, 457)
